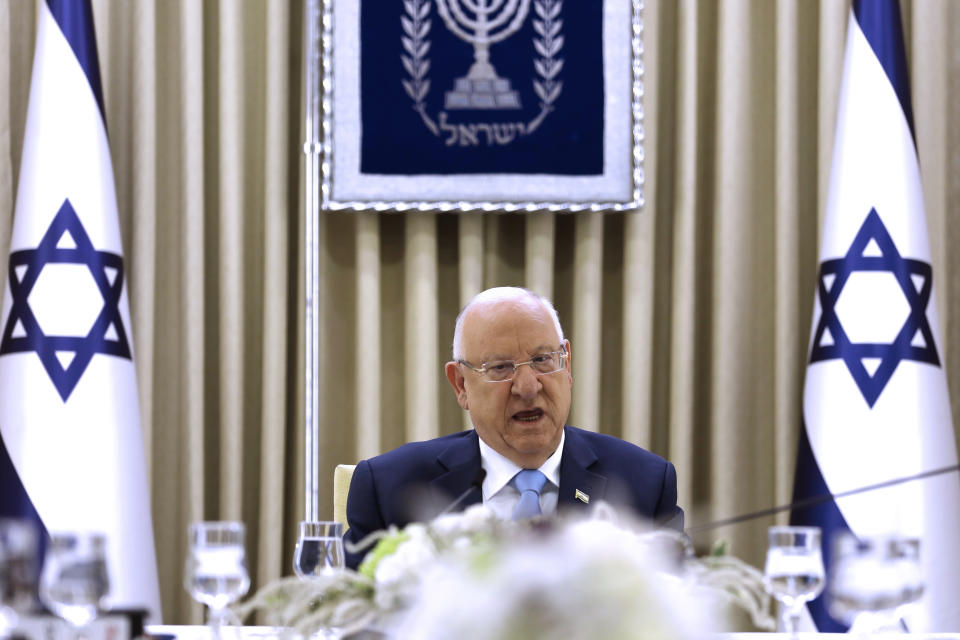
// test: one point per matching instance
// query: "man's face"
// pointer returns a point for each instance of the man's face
(523, 418)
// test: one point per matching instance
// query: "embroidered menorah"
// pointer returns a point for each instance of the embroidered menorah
(482, 23)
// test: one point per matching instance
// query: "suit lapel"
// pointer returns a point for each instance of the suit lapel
(462, 463)
(579, 487)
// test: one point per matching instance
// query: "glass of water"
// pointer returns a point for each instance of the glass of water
(216, 569)
(873, 580)
(75, 582)
(18, 570)
(319, 549)
(794, 573)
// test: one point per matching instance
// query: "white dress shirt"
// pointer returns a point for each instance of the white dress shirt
(499, 495)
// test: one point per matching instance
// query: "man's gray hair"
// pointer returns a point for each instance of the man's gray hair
(496, 294)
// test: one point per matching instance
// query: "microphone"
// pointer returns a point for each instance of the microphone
(474, 485)
(815, 500)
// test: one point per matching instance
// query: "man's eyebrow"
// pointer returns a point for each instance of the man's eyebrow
(496, 356)
(544, 348)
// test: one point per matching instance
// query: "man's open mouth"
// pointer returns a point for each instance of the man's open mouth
(528, 416)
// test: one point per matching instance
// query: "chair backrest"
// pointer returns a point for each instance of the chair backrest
(342, 476)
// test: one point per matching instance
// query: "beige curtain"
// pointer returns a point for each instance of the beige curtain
(689, 319)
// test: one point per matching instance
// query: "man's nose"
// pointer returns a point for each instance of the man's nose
(526, 383)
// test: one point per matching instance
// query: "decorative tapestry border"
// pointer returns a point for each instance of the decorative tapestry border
(482, 105)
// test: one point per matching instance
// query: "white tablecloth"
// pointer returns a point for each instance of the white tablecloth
(199, 632)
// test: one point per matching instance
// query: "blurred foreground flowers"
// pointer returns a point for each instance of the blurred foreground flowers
(471, 576)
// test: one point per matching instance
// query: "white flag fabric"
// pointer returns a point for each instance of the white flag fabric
(875, 404)
(72, 450)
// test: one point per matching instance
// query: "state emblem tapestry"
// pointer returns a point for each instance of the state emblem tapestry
(482, 104)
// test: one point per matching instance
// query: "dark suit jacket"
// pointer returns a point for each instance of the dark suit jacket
(417, 481)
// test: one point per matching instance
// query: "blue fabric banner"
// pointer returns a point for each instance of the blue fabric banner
(459, 87)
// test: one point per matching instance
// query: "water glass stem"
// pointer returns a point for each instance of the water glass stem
(791, 622)
(216, 623)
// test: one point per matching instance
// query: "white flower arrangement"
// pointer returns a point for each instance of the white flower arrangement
(472, 576)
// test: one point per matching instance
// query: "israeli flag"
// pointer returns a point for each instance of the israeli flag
(72, 450)
(875, 401)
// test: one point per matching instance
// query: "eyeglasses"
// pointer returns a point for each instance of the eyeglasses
(505, 370)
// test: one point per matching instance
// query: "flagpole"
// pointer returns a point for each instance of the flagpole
(311, 149)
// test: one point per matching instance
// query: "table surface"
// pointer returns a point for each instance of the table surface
(202, 632)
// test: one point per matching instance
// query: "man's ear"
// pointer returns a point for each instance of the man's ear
(569, 366)
(455, 377)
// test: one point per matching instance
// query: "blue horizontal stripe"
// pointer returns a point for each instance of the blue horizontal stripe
(808, 483)
(14, 501)
(75, 18)
(880, 22)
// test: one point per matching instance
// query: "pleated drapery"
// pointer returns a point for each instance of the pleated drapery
(689, 319)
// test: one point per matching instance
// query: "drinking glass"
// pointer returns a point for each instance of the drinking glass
(74, 582)
(216, 568)
(319, 556)
(873, 580)
(908, 559)
(319, 549)
(18, 566)
(794, 572)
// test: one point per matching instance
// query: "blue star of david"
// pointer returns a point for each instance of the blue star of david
(24, 334)
(914, 341)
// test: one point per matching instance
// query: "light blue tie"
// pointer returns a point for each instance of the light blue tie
(529, 482)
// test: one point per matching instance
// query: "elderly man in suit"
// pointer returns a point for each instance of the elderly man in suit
(511, 372)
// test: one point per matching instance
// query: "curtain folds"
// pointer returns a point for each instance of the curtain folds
(689, 319)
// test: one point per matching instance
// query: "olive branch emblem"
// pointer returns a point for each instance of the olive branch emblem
(547, 66)
(416, 27)
(547, 44)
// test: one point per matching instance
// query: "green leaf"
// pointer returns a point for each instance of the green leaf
(720, 548)
(385, 547)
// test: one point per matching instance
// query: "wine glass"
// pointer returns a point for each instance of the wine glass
(319, 557)
(319, 549)
(18, 565)
(873, 580)
(216, 568)
(74, 582)
(907, 553)
(794, 572)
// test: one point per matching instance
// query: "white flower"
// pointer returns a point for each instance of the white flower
(471, 576)
(586, 581)
(475, 519)
(397, 577)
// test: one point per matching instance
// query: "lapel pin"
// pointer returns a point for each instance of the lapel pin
(581, 496)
